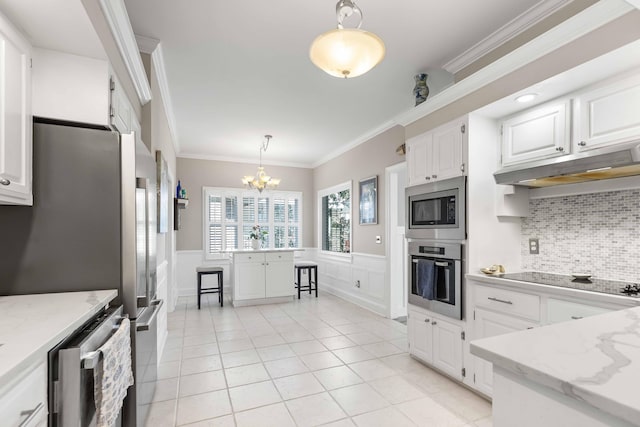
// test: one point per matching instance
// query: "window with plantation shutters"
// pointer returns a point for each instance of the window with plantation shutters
(230, 215)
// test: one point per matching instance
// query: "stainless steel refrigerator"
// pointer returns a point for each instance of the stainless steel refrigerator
(92, 226)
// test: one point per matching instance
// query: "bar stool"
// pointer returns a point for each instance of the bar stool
(218, 271)
(308, 266)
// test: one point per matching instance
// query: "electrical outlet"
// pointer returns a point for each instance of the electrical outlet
(534, 246)
(378, 240)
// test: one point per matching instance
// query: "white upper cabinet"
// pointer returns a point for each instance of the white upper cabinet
(608, 115)
(535, 134)
(436, 155)
(15, 117)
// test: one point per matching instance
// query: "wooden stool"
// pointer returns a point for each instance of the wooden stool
(218, 271)
(309, 266)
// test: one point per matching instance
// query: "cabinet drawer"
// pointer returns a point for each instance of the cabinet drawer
(505, 301)
(562, 311)
(248, 258)
(279, 256)
(25, 404)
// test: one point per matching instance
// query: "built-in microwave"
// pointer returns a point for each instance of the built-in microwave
(437, 210)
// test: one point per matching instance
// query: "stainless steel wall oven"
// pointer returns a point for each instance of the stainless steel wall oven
(435, 276)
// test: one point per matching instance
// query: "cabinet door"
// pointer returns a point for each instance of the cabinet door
(420, 336)
(447, 152)
(120, 108)
(563, 311)
(279, 279)
(447, 347)
(609, 115)
(249, 279)
(489, 324)
(536, 134)
(420, 159)
(15, 116)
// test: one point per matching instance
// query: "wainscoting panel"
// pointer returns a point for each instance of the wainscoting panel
(162, 293)
(359, 280)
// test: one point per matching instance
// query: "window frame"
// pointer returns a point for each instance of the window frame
(240, 193)
(347, 185)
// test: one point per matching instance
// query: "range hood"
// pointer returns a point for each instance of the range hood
(600, 163)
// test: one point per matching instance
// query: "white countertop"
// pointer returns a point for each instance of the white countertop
(247, 251)
(30, 325)
(595, 360)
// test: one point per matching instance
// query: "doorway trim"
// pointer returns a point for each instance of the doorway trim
(392, 198)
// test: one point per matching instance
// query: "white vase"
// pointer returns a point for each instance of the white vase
(255, 244)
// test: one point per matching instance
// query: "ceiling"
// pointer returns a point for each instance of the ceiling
(239, 70)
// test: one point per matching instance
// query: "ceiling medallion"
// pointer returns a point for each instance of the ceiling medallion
(347, 52)
(261, 180)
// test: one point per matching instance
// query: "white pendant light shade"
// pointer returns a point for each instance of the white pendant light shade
(347, 52)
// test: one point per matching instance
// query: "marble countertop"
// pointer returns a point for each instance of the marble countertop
(596, 297)
(595, 360)
(30, 325)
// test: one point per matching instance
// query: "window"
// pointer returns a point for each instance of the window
(335, 217)
(230, 213)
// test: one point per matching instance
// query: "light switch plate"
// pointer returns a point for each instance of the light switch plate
(534, 246)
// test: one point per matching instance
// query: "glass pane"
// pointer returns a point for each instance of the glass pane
(293, 210)
(215, 209)
(231, 209)
(278, 210)
(278, 235)
(246, 230)
(231, 237)
(294, 239)
(248, 209)
(336, 224)
(263, 209)
(215, 238)
(267, 237)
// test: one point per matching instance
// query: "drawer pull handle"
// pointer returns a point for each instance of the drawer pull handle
(434, 323)
(500, 300)
(427, 320)
(4, 181)
(576, 317)
(30, 414)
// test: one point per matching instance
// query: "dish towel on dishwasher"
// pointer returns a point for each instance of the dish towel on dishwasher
(112, 376)
(426, 278)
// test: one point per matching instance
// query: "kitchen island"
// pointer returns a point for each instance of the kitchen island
(579, 373)
(262, 276)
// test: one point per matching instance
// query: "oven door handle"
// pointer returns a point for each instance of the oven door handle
(442, 264)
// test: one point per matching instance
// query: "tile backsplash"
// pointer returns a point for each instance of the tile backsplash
(588, 233)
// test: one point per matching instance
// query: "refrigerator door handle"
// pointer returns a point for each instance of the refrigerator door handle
(142, 227)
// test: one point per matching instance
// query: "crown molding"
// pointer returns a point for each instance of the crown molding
(634, 3)
(505, 33)
(197, 156)
(360, 140)
(146, 44)
(157, 58)
(577, 26)
(116, 15)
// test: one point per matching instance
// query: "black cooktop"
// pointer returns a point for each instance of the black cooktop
(593, 285)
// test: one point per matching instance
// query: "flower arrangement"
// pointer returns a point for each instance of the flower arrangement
(257, 234)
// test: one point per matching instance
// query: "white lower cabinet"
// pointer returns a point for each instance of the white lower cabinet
(436, 341)
(262, 275)
(490, 324)
(559, 310)
(24, 402)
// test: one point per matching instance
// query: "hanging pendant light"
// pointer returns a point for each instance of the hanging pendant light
(347, 52)
(261, 180)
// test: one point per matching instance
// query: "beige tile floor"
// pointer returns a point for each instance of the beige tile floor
(309, 362)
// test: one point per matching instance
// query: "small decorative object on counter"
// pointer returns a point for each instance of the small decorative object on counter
(257, 236)
(494, 269)
(183, 194)
(179, 190)
(421, 90)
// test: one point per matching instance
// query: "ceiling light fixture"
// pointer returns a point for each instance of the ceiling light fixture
(347, 52)
(528, 97)
(261, 180)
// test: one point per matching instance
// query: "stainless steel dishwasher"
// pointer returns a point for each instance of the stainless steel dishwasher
(71, 363)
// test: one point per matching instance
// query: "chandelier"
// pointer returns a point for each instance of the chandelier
(261, 180)
(347, 52)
